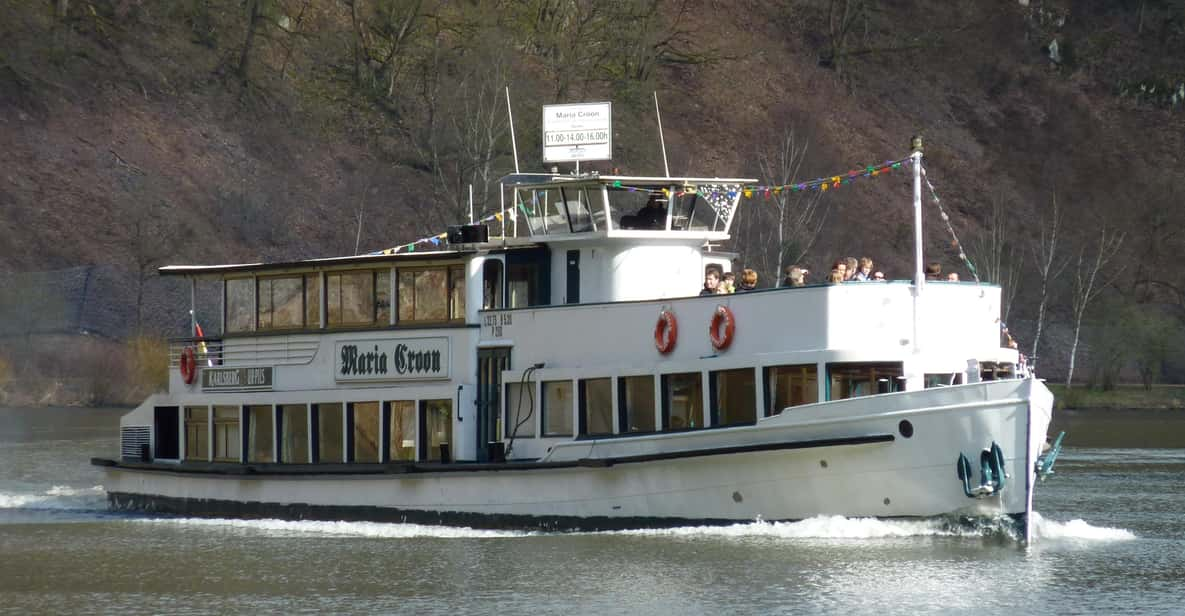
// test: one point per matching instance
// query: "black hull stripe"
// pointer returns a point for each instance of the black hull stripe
(396, 468)
(208, 508)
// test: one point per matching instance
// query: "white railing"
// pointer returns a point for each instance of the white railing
(268, 351)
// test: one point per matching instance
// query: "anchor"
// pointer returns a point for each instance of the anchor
(1045, 461)
(991, 472)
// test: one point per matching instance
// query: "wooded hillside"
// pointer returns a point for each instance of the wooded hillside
(137, 133)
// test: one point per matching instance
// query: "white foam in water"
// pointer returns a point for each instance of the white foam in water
(335, 529)
(56, 497)
(1076, 529)
(819, 527)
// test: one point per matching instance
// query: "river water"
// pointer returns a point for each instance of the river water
(1110, 539)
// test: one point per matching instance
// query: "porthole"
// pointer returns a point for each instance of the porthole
(905, 428)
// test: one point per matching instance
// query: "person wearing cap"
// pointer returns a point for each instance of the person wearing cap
(748, 280)
(795, 276)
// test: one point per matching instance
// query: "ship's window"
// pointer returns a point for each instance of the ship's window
(579, 214)
(636, 403)
(943, 379)
(520, 407)
(403, 430)
(281, 303)
(596, 406)
(787, 386)
(226, 434)
(993, 371)
(854, 380)
(312, 301)
(350, 298)
(366, 432)
(294, 434)
(197, 433)
(682, 401)
(240, 305)
(432, 294)
(382, 297)
(437, 418)
(557, 408)
(734, 397)
(624, 202)
(261, 433)
(330, 431)
(491, 285)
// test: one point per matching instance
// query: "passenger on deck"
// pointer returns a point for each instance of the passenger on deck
(795, 276)
(729, 283)
(852, 266)
(952, 277)
(879, 276)
(842, 266)
(836, 275)
(748, 280)
(934, 271)
(711, 283)
(864, 271)
(653, 215)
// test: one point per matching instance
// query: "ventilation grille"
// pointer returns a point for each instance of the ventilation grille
(132, 440)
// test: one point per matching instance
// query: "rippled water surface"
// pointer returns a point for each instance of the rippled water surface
(1110, 539)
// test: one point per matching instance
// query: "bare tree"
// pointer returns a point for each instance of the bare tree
(797, 216)
(998, 256)
(1088, 284)
(1049, 265)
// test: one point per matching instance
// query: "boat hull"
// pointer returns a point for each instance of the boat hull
(891, 455)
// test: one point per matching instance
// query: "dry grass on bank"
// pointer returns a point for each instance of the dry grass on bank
(78, 370)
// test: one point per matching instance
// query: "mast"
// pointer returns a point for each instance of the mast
(918, 275)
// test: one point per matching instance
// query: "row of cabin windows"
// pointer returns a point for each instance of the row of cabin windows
(357, 432)
(355, 298)
(731, 398)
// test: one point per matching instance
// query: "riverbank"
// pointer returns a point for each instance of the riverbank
(1123, 397)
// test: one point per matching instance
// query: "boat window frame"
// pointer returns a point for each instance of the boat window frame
(897, 385)
(450, 268)
(224, 422)
(374, 322)
(582, 427)
(226, 305)
(768, 383)
(623, 414)
(187, 421)
(259, 280)
(544, 428)
(713, 391)
(664, 400)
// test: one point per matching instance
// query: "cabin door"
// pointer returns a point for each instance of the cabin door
(490, 364)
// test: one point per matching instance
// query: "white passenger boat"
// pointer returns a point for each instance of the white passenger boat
(565, 374)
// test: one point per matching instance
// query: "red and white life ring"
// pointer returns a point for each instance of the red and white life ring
(666, 331)
(723, 326)
(188, 367)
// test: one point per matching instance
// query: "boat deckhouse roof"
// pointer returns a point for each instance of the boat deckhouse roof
(367, 259)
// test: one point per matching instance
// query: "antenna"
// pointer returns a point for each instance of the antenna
(513, 143)
(662, 140)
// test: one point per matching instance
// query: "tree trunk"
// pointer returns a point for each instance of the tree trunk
(245, 57)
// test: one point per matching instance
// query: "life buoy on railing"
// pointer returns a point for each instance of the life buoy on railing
(723, 326)
(666, 331)
(188, 366)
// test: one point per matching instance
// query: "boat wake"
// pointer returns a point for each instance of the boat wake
(1076, 529)
(55, 498)
(378, 530)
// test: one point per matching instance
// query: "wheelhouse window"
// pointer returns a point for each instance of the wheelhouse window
(227, 442)
(437, 419)
(432, 294)
(366, 432)
(596, 406)
(557, 408)
(197, 433)
(330, 422)
(294, 434)
(635, 401)
(787, 386)
(855, 380)
(682, 401)
(281, 303)
(350, 298)
(260, 433)
(520, 410)
(240, 305)
(734, 397)
(402, 431)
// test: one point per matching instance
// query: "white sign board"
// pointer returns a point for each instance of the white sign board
(580, 131)
(405, 359)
